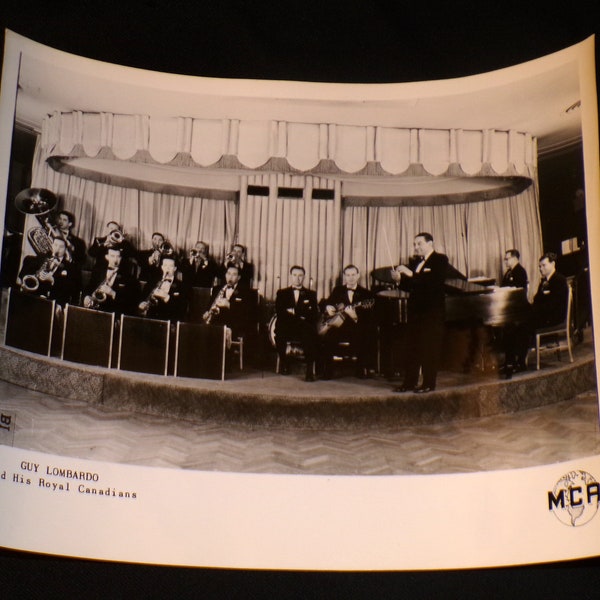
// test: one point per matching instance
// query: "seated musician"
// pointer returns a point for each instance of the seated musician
(549, 308)
(166, 298)
(230, 304)
(199, 269)
(297, 315)
(149, 260)
(237, 258)
(111, 288)
(348, 317)
(51, 277)
(515, 274)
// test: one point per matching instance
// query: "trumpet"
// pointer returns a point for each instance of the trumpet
(114, 238)
(214, 309)
(166, 249)
(31, 283)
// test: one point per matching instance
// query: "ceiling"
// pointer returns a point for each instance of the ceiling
(541, 97)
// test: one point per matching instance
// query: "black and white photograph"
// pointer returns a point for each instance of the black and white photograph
(291, 286)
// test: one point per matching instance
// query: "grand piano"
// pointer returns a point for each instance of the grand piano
(476, 312)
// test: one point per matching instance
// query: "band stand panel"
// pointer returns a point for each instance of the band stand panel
(200, 351)
(88, 336)
(29, 322)
(199, 303)
(144, 345)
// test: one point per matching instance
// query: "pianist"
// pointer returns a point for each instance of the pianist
(424, 279)
(515, 274)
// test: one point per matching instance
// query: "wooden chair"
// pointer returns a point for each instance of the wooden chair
(562, 330)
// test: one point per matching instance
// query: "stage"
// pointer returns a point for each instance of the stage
(255, 397)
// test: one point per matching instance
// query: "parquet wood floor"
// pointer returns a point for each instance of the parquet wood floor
(554, 433)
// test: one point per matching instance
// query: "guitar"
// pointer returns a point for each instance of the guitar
(328, 322)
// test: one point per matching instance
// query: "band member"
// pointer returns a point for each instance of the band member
(75, 246)
(549, 308)
(113, 237)
(51, 277)
(297, 315)
(166, 298)
(149, 260)
(199, 269)
(424, 279)
(348, 316)
(111, 289)
(230, 304)
(515, 274)
(237, 258)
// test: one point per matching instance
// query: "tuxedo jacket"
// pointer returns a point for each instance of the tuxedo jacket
(125, 286)
(78, 252)
(148, 272)
(200, 275)
(238, 317)
(339, 295)
(173, 310)
(306, 309)
(426, 287)
(65, 288)
(550, 301)
(516, 277)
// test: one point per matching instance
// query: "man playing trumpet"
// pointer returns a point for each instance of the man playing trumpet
(199, 269)
(149, 260)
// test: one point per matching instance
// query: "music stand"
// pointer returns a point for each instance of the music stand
(144, 345)
(200, 351)
(29, 322)
(88, 336)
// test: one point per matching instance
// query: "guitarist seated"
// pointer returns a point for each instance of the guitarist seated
(348, 317)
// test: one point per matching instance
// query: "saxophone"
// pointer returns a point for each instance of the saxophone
(151, 299)
(214, 310)
(97, 297)
(45, 273)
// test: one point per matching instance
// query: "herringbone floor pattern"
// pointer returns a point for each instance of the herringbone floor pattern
(553, 433)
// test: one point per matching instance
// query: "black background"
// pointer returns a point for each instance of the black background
(358, 42)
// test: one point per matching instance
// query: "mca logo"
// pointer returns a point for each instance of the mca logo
(574, 499)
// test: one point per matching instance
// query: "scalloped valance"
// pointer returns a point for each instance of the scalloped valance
(316, 148)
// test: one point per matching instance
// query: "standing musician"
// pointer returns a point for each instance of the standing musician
(515, 274)
(149, 260)
(348, 316)
(424, 278)
(50, 276)
(111, 288)
(113, 237)
(230, 304)
(237, 258)
(166, 298)
(297, 315)
(199, 269)
(75, 246)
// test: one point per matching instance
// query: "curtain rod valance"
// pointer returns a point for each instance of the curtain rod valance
(316, 148)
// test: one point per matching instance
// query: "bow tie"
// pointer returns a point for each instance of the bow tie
(297, 288)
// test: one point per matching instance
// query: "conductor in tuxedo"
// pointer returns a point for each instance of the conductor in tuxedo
(348, 316)
(297, 315)
(424, 279)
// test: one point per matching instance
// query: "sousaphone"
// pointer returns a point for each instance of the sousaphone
(38, 202)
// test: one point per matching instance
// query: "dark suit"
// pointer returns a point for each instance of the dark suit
(515, 277)
(238, 317)
(125, 288)
(148, 272)
(425, 322)
(172, 310)
(550, 301)
(200, 273)
(246, 270)
(361, 334)
(64, 289)
(300, 326)
(98, 251)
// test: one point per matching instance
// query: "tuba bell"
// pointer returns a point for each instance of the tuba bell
(38, 202)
